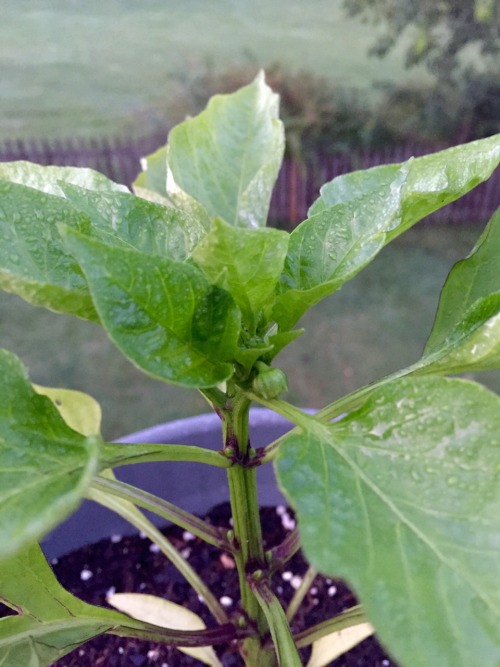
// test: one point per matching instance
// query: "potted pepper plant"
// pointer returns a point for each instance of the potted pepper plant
(396, 486)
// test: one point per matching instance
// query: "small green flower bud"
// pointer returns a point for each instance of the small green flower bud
(269, 382)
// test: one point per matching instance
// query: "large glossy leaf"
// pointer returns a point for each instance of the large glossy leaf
(473, 345)
(47, 179)
(466, 331)
(122, 219)
(51, 622)
(163, 315)
(228, 157)
(333, 245)
(45, 466)
(433, 180)
(353, 186)
(245, 262)
(33, 262)
(470, 280)
(358, 213)
(402, 499)
(184, 201)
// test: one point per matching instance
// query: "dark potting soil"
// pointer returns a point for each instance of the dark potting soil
(133, 564)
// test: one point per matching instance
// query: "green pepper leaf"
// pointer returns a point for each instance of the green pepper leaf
(51, 622)
(357, 214)
(433, 180)
(163, 315)
(33, 261)
(47, 179)
(228, 157)
(466, 331)
(45, 466)
(470, 280)
(402, 499)
(333, 245)
(245, 262)
(183, 201)
(353, 186)
(122, 219)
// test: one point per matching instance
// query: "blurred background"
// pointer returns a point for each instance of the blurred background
(362, 82)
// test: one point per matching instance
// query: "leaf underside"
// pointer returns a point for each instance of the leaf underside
(402, 499)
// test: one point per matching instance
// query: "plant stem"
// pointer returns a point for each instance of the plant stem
(287, 410)
(246, 523)
(326, 414)
(137, 519)
(164, 509)
(222, 634)
(283, 641)
(357, 397)
(281, 554)
(346, 619)
(214, 397)
(119, 454)
(300, 593)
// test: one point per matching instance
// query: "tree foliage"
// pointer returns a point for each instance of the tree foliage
(442, 31)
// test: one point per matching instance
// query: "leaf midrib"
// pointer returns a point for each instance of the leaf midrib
(409, 524)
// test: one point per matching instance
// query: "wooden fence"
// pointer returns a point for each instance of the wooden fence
(297, 186)
(119, 159)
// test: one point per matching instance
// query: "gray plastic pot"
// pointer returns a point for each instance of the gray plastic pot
(194, 487)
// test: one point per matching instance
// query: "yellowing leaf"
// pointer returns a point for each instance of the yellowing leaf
(80, 411)
(165, 614)
(332, 646)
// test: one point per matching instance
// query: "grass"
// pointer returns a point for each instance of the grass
(95, 68)
(376, 324)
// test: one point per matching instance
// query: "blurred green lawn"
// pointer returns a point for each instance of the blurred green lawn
(72, 68)
(376, 324)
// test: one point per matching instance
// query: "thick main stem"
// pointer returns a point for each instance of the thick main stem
(246, 523)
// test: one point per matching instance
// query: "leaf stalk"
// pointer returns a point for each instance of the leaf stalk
(163, 508)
